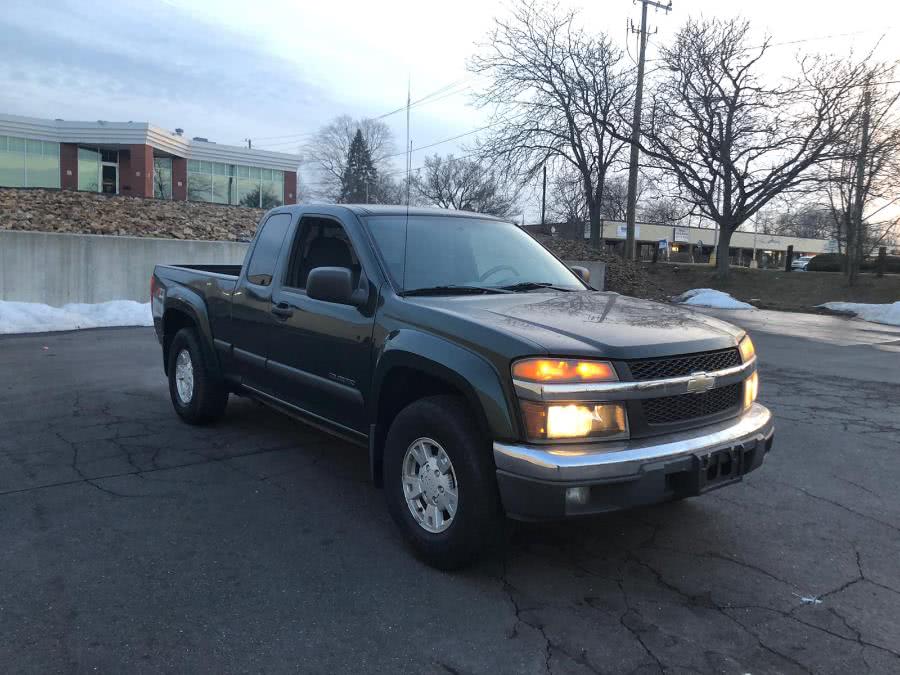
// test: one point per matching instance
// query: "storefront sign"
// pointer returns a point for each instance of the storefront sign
(622, 231)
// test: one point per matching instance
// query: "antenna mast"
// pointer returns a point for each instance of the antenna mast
(408, 144)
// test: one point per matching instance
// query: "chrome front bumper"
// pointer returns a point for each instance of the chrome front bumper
(655, 467)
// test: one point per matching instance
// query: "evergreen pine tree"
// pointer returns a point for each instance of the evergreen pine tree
(359, 181)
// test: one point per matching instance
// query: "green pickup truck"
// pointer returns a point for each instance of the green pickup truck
(485, 377)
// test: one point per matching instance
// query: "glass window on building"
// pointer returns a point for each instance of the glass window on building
(199, 187)
(272, 191)
(162, 177)
(222, 189)
(12, 162)
(42, 164)
(235, 184)
(222, 183)
(199, 181)
(28, 163)
(88, 170)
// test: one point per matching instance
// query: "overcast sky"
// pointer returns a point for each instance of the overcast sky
(278, 69)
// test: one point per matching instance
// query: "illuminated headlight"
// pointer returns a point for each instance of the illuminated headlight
(574, 420)
(751, 389)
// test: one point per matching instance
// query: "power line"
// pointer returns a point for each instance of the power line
(439, 94)
(444, 140)
(809, 39)
(454, 89)
(419, 101)
(449, 94)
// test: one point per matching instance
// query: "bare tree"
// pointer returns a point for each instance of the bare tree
(566, 203)
(615, 197)
(465, 184)
(662, 210)
(866, 173)
(554, 92)
(730, 141)
(812, 221)
(327, 153)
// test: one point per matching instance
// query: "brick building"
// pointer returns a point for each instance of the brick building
(141, 160)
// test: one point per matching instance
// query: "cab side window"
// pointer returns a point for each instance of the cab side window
(268, 245)
(322, 242)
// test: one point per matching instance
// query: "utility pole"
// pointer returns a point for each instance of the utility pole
(636, 129)
(249, 143)
(544, 197)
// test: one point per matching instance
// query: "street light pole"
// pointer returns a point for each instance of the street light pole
(631, 206)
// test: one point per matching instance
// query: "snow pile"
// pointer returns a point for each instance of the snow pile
(707, 297)
(889, 314)
(35, 317)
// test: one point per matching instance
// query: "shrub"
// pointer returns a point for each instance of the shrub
(826, 262)
(833, 262)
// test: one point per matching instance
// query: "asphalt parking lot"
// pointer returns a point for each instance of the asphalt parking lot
(130, 542)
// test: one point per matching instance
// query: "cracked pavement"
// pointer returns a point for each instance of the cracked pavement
(133, 542)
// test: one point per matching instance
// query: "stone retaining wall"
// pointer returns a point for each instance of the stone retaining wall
(71, 212)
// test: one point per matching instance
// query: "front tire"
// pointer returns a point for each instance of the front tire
(198, 395)
(440, 482)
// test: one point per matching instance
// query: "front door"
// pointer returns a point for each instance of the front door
(109, 179)
(320, 354)
(252, 321)
(109, 172)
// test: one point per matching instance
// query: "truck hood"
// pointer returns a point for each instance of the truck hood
(592, 323)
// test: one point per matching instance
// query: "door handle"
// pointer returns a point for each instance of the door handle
(282, 310)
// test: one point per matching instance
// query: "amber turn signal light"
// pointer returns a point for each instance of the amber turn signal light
(563, 370)
(751, 390)
(748, 351)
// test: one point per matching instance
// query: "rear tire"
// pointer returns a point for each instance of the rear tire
(198, 394)
(433, 448)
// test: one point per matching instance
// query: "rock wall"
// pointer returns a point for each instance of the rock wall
(39, 210)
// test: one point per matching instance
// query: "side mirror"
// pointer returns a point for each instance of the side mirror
(583, 273)
(330, 284)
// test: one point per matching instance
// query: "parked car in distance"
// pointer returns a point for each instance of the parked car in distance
(484, 376)
(800, 264)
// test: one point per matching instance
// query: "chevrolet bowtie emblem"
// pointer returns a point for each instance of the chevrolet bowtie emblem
(700, 382)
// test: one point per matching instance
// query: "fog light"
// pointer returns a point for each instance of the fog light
(578, 496)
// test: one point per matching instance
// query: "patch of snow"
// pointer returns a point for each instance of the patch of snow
(708, 297)
(36, 317)
(809, 599)
(889, 313)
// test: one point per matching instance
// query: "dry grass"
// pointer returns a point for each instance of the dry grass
(774, 289)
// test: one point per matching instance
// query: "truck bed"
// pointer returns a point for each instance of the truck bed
(225, 270)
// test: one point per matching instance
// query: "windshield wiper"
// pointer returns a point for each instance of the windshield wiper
(532, 285)
(453, 289)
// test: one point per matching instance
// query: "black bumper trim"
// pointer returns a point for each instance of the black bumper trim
(535, 499)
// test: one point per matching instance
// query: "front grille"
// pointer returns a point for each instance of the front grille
(676, 366)
(684, 407)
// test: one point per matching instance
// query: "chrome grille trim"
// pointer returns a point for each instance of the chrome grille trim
(622, 391)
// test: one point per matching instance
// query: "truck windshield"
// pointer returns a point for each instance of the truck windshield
(431, 252)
